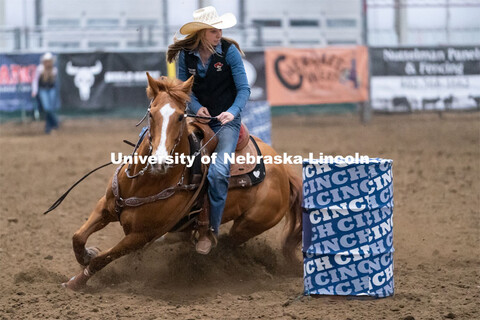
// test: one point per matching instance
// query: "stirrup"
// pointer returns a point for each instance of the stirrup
(203, 223)
(212, 237)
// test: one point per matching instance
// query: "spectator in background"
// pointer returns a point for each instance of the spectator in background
(44, 84)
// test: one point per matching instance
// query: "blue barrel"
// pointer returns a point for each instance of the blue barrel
(348, 227)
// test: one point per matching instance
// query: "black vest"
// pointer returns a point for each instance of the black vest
(46, 84)
(217, 90)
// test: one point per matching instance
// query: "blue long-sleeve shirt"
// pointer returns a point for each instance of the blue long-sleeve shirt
(234, 59)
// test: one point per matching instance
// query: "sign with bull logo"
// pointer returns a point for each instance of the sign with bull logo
(83, 77)
(108, 80)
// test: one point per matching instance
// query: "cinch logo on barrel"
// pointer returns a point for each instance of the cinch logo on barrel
(348, 228)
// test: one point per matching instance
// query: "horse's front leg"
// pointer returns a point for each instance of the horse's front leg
(98, 219)
(131, 242)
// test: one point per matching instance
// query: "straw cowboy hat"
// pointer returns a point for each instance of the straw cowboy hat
(208, 17)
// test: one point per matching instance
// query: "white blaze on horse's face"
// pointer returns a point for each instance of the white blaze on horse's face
(161, 153)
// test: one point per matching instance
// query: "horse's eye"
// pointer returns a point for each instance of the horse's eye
(180, 117)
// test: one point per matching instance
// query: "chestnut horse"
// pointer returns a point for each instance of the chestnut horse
(253, 210)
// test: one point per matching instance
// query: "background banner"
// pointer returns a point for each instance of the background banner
(107, 80)
(315, 76)
(16, 75)
(254, 62)
(256, 116)
(424, 78)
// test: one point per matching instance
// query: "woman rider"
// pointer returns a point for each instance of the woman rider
(220, 90)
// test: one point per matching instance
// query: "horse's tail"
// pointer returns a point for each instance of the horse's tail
(293, 225)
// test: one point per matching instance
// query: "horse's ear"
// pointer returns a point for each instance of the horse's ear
(152, 89)
(187, 85)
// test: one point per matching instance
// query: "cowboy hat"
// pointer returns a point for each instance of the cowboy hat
(207, 17)
(47, 56)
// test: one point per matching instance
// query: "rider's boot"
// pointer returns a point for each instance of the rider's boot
(206, 238)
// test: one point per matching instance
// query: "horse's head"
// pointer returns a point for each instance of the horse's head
(166, 116)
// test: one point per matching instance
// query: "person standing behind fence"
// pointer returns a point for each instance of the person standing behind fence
(44, 84)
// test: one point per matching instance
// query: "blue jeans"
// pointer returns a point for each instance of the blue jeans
(48, 98)
(219, 172)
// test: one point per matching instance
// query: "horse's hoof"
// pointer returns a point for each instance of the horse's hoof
(70, 284)
(78, 282)
(90, 253)
(69, 287)
(73, 287)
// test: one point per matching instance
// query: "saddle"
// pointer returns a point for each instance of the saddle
(242, 175)
(207, 133)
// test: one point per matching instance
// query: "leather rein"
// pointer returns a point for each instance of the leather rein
(121, 203)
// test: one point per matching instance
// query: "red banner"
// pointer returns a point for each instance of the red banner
(316, 76)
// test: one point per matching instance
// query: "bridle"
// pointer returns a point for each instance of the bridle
(121, 203)
(177, 140)
(134, 201)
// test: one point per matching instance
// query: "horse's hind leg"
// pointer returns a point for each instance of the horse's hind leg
(131, 242)
(98, 219)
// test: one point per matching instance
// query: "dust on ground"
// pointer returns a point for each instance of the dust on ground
(436, 228)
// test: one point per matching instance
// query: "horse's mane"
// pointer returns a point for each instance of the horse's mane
(173, 87)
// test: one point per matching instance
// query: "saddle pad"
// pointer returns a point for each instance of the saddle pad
(252, 177)
(241, 175)
(238, 168)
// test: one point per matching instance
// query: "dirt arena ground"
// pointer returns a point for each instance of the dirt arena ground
(436, 228)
